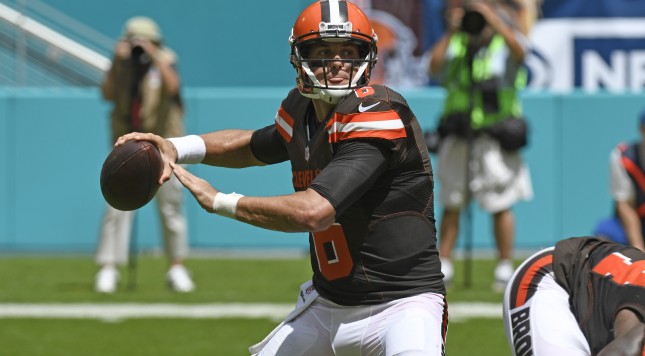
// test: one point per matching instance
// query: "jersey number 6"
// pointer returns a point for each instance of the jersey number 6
(332, 253)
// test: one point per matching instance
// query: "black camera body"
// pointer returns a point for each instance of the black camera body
(136, 51)
(473, 22)
(138, 54)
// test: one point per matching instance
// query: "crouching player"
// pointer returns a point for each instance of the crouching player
(584, 296)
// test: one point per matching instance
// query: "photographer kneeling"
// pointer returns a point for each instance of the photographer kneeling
(479, 63)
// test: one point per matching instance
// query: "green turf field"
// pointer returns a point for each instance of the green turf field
(63, 281)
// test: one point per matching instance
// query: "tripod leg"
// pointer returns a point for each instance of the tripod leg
(132, 255)
(468, 239)
(468, 247)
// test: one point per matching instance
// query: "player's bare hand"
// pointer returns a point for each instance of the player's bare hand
(166, 148)
(203, 192)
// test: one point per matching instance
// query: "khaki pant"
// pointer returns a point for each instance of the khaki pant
(498, 179)
(117, 226)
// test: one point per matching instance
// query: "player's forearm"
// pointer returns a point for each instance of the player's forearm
(628, 335)
(229, 148)
(298, 212)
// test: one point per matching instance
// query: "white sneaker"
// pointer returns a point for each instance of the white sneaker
(106, 280)
(179, 279)
(447, 269)
(503, 273)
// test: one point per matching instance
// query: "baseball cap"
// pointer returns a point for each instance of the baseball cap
(141, 26)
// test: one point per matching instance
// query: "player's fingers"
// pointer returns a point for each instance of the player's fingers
(156, 140)
(166, 174)
(125, 138)
(131, 136)
(178, 171)
(186, 178)
(168, 154)
(203, 192)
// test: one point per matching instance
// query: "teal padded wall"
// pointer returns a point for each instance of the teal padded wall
(591, 126)
(53, 143)
(238, 108)
(6, 198)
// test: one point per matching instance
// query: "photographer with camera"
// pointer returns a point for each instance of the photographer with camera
(479, 63)
(143, 84)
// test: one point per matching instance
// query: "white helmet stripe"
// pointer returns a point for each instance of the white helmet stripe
(334, 11)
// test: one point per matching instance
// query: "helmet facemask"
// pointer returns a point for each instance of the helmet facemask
(360, 68)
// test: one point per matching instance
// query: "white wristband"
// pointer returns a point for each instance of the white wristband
(226, 204)
(190, 149)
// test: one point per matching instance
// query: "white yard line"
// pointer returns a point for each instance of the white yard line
(456, 311)
(461, 311)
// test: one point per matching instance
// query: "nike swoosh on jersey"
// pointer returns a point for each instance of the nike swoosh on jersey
(362, 108)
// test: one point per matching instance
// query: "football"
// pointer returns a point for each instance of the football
(130, 175)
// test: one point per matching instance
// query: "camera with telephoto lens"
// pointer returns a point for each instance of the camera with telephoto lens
(473, 22)
(137, 51)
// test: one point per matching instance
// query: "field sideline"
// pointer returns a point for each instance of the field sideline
(102, 311)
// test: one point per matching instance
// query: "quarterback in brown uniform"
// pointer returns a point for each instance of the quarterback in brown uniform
(363, 190)
(584, 296)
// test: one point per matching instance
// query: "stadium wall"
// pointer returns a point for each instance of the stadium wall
(53, 143)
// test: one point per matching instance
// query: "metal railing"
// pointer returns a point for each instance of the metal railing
(41, 46)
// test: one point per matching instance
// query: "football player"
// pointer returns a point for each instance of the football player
(585, 296)
(363, 190)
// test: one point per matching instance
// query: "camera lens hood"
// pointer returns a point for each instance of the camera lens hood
(473, 22)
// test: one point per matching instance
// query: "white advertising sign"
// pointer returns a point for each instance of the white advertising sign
(589, 53)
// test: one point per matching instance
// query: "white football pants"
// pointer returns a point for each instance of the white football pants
(412, 326)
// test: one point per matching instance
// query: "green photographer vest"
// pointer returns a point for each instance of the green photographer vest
(494, 94)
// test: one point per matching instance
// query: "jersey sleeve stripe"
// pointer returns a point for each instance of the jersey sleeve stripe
(391, 126)
(388, 135)
(284, 123)
(386, 125)
(366, 116)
